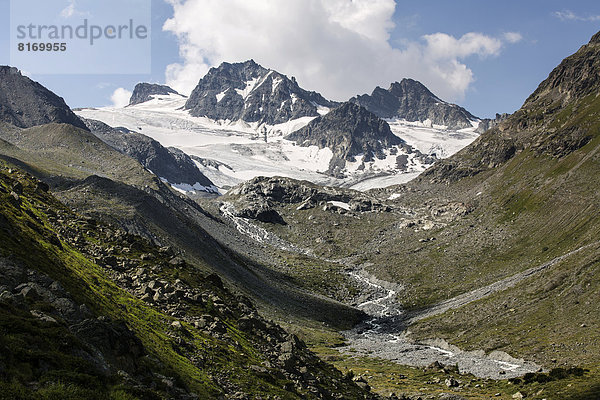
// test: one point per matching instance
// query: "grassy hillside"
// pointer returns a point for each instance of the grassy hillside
(193, 336)
(70, 152)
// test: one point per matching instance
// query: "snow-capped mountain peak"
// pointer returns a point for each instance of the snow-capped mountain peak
(251, 93)
(243, 120)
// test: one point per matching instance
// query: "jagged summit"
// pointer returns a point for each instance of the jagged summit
(251, 93)
(145, 91)
(408, 87)
(25, 103)
(412, 101)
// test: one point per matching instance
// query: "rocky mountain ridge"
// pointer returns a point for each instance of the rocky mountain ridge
(412, 101)
(489, 123)
(350, 131)
(25, 103)
(251, 93)
(522, 198)
(171, 164)
(545, 121)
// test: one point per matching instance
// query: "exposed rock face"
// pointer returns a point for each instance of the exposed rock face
(145, 91)
(576, 77)
(487, 123)
(348, 131)
(249, 92)
(260, 197)
(25, 103)
(412, 101)
(171, 164)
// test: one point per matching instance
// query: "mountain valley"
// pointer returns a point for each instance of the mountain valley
(257, 241)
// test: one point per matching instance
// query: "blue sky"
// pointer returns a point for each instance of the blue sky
(486, 56)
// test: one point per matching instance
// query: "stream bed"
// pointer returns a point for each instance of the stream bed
(384, 336)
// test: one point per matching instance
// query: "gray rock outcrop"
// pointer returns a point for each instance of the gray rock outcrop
(488, 123)
(412, 101)
(349, 131)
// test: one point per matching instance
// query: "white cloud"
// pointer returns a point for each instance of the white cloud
(513, 37)
(338, 47)
(443, 46)
(103, 85)
(183, 78)
(71, 10)
(568, 15)
(368, 18)
(120, 97)
(68, 11)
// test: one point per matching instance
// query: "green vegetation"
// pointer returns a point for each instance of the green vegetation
(47, 237)
(523, 196)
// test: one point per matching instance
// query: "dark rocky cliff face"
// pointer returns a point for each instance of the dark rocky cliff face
(144, 92)
(412, 101)
(349, 130)
(249, 92)
(25, 103)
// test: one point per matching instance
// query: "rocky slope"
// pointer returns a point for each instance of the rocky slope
(63, 151)
(25, 103)
(99, 181)
(145, 91)
(555, 120)
(537, 173)
(91, 311)
(488, 123)
(412, 101)
(249, 92)
(173, 165)
(258, 198)
(33, 105)
(496, 249)
(349, 131)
